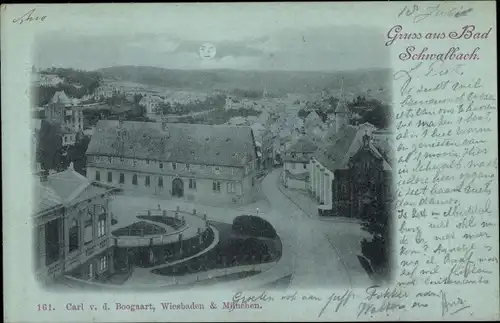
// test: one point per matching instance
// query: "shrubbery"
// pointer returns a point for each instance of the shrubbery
(253, 226)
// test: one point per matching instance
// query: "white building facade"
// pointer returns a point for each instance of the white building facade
(198, 163)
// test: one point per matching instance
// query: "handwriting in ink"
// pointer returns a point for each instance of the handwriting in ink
(438, 10)
(452, 307)
(341, 300)
(406, 77)
(28, 17)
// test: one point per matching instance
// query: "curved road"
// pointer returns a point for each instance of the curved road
(308, 254)
(315, 261)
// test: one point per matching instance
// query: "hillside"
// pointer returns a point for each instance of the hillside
(275, 82)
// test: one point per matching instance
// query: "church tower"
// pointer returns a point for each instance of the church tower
(341, 112)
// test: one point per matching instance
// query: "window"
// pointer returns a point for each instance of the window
(135, 162)
(293, 155)
(97, 175)
(174, 166)
(293, 165)
(109, 160)
(91, 271)
(104, 263)
(304, 165)
(74, 237)
(192, 183)
(122, 160)
(253, 181)
(147, 161)
(343, 188)
(110, 177)
(134, 179)
(89, 229)
(160, 181)
(217, 170)
(147, 182)
(161, 165)
(231, 187)
(216, 186)
(101, 225)
(122, 178)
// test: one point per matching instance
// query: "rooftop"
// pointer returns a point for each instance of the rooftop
(61, 97)
(63, 188)
(346, 143)
(174, 142)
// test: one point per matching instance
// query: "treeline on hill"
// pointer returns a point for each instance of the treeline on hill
(209, 103)
(114, 108)
(366, 110)
(219, 116)
(77, 83)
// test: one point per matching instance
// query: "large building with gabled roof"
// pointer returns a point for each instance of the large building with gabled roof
(72, 227)
(193, 162)
(350, 174)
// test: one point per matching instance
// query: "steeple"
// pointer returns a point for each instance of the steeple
(341, 112)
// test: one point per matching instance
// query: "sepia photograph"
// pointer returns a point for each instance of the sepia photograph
(164, 161)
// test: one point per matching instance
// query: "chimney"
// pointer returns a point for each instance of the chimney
(366, 139)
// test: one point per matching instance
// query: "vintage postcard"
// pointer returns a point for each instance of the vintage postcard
(250, 162)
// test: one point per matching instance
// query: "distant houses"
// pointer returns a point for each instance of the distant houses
(68, 114)
(296, 163)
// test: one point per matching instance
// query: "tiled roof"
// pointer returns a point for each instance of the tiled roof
(341, 107)
(185, 143)
(348, 141)
(61, 97)
(333, 153)
(67, 184)
(45, 197)
(66, 187)
(303, 145)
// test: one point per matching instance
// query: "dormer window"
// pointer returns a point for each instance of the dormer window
(293, 155)
(174, 166)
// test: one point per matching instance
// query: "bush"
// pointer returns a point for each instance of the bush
(376, 251)
(253, 226)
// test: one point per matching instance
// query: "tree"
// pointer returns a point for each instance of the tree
(49, 150)
(376, 222)
(137, 98)
(303, 113)
(76, 153)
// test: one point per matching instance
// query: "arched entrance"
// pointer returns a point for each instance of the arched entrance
(177, 187)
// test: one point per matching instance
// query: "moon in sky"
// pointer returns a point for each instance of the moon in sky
(207, 51)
